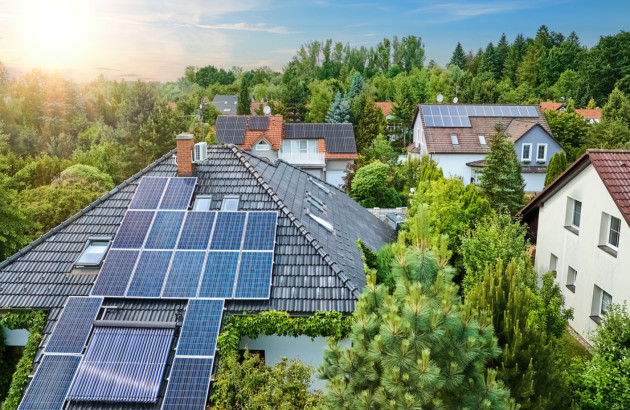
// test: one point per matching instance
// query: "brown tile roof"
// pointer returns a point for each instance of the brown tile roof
(612, 166)
(386, 107)
(550, 106)
(595, 114)
(273, 134)
(255, 105)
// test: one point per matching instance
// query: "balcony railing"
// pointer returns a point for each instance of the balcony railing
(314, 158)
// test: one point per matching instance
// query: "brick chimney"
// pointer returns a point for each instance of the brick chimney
(185, 147)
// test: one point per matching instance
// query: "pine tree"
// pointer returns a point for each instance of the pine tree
(356, 86)
(528, 364)
(339, 110)
(414, 347)
(459, 57)
(617, 108)
(243, 105)
(591, 104)
(293, 98)
(557, 164)
(501, 52)
(371, 122)
(501, 179)
(514, 57)
(488, 61)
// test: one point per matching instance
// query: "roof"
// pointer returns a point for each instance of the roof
(386, 107)
(226, 104)
(438, 139)
(339, 137)
(613, 168)
(594, 114)
(550, 106)
(255, 105)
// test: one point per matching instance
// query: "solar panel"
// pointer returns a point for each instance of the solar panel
(150, 273)
(254, 276)
(260, 233)
(201, 328)
(133, 229)
(184, 274)
(74, 325)
(48, 389)
(165, 230)
(122, 365)
(219, 275)
(230, 129)
(258, 123)
(148, 193)
(228, 231)
(197, 230)
(178, 193)
(114, 275)
(458, 115)
(188, 383)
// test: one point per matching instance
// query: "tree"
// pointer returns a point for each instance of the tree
(371, 122)
(557, 164)
(591, 104)
(514, 57)
(501, 53)
(339, 110)
(243, 106)
(568, 127)
(293, 97)
(356, 86)
(14, 225)
(488, 62)
(370, 188)
(617, 108)
(321, 98)
(614, 129)
(459, 56)
(250, 384)
(501, 180)
(414, 347)
(380, 149)
(606, 63)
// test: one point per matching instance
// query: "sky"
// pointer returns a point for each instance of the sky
(154, 40)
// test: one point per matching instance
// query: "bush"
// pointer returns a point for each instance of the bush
(370, 188)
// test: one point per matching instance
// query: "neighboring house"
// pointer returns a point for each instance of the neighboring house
(581, 226)
(322, 150)
(226, 104)
(457, 137)
(386, 107)
(255, 106)
(137, 291)
(592, 116)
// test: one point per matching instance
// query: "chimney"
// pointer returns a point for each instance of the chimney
(185, 148)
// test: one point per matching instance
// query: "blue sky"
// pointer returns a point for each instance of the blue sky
(156, 40)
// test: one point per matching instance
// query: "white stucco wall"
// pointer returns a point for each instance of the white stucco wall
(309, 351)
(455, 164)
(335, 171)
(17, 337)
(593, 265)
(534, 182)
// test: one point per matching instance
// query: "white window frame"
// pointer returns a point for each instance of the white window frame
(609, 230)
(529, 158)
(574, 202)
(544, 158)
(454, 139)
(263, 145)
(87, 246)
(571, 276)
(482, 140)
(198, 202)
(227, 199)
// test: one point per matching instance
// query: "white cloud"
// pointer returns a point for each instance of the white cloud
(455, 11)
(248, 27)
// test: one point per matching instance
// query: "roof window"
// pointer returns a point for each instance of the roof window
(454, 139)
(482, 140)
(230, 203)
(202, 203)
(319, 185)
(327, 225)
(94, 253)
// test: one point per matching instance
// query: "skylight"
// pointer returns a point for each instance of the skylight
(454, 139)
(319, 185)
(327, 225)
(202, 203)
(482, 140)
(94, 253)
(316, 204)
(230, 203)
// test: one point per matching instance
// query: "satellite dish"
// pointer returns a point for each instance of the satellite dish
(440, 98)
(455, 100)
(267, 110)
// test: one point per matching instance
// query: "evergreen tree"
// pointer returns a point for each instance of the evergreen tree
(501, 52)
(459, 57)
(557, 164)
(514, 56)
(501, 179)
(617, 108)
(243, 104)
(293, 98)
(404, 108)
(339, 110)
(356, 86)
(369, 187)
(488, 61)
(591, 104)
(371, 122)
(414, 347)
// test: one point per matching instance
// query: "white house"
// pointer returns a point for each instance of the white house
(457, 137)
(581, 226)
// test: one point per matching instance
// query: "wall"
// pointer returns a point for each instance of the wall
(533, 182)
(593, 265)
(455, 164)
(335, 171)
(537, 135)
(309, 351)
(418, 135)
(271, 154)
(17, 337)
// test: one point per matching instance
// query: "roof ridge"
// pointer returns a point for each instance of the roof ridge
(345, 279)
(84, 211)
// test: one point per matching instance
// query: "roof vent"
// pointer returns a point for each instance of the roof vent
(327, 225)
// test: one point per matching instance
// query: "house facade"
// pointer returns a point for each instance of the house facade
(580, 223)
(457, 137)
(322, 150)
(140, 281)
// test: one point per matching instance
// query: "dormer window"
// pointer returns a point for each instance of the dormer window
(454, 139)
(482, 140)
(202, 203)
(230, 203)
(263, 146)
(94, 253)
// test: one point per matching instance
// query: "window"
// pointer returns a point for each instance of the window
(262, 146)
(230, 203)
(553, 263)
(482, 140)
(571, 278)
(202, 203)
(573, 216)
(605, 303)
(577, 213)
(327, 225)
(614, 228)
(94, 253)
(541, 153)
(299, 146)
(526, 152)
(601, 302)
(454, 139)
(319, 185)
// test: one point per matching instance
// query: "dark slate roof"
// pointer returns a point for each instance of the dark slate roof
(339, 137)
(226, 104)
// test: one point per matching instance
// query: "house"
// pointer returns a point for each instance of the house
(581, 225)
(255, 106)
(592, 115)
(386, 107)
(457, 137)
(322, 150)
(226, 104)
(137, 284)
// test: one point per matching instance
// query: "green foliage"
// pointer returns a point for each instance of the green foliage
(244, 102)
(294, 97)
(371, 121)
(321, 98)
(617, 108)
(459, 57)
(414, 347)
(248, 383)
(548, 311)
(568, 127)
(14, 224)
(208, 75)
(339, 110)
(381, 150)
(370, 188)
(356, 86)
(501, 180)
(557, 164)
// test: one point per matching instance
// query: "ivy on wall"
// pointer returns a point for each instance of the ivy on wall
(34, 321)
(273, 322)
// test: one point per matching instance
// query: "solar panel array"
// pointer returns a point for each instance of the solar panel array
(459, 115)
(188, 383)
(74, 325)
(201, 328)
(49, 387)
(339, 138)
(258, 123)
(230, 129)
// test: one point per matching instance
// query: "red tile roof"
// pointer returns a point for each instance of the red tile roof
(386, 107)
(550, 106)
(273, 134)
(595, 114)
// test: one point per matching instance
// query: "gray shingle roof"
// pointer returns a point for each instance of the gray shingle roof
(226, 104)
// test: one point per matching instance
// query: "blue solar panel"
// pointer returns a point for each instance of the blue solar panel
(74, 325)
(165, 230)
(183, 277)
(188, 384)
(48, 389)
(228, 231)
(122, 365)
(178, 193)
(201, 328)
(197, 230)
(114, 275)
(219, 275)
(260, 234)
(254, 276)
(149, 275)
(148, 193)
(133, 230)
